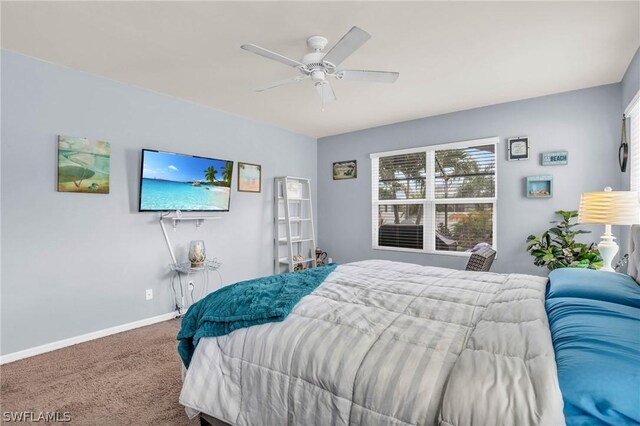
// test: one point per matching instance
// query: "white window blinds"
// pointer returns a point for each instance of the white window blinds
(633, 124)
(435, 199)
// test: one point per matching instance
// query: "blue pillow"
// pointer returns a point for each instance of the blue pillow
(595, 285)
(597, 346)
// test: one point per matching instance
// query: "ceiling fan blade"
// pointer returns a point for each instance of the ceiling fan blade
(281, 83)
(326, 92)
(348, 44)
(365, 75)
(271, 55)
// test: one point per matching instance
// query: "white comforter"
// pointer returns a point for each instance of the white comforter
(389, 343)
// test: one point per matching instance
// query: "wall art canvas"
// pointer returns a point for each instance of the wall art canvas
(83, 165)
(345, 170)
(249, 177)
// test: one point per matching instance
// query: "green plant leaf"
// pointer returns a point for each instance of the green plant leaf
(561, 250)
(556, 230)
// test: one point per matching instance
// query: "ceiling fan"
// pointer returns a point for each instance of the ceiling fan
(318, 65)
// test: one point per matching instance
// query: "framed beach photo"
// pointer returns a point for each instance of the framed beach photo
(345, 170)
(249, 177)
(83, 165)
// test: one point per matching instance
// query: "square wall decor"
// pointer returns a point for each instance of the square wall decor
(539, 186)
(518, 148)
(83, 165)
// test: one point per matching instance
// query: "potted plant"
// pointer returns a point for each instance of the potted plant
(557, 247)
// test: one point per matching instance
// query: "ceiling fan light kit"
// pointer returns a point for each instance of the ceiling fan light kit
(318, 65)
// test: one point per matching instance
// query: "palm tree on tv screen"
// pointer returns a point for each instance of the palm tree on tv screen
(226, 174)
(210, 174)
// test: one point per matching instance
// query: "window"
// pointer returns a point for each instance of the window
(435, 199)
(633, 124)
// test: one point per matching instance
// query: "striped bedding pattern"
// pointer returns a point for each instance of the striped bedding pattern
(388, 343)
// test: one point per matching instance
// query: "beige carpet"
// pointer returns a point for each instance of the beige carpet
(131, 378)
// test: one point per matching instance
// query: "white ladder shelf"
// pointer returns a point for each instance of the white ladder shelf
(294, 233)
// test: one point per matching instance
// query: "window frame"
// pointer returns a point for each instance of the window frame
(632, 112)
(430, 201)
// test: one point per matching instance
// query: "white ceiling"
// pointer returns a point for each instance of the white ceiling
(451, 55)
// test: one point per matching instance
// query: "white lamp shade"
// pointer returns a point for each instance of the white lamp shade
(609, 207)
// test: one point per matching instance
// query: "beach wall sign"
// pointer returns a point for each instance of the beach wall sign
(555, 158)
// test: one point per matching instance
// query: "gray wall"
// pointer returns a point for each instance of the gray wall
(631, 80)
(77, 263)
(584, 122)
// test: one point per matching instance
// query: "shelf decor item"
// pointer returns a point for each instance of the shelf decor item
(299, 266)
(555, 158)
(294, 190)
(609, 208)
(539, 186)
(197, 253)
(249, 177)
(83, 165)
(557, 247)
(321, 257)
(345, 170)
(518, 148)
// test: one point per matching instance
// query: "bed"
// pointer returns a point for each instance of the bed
(391, 343)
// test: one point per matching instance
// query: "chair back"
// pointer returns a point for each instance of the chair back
(481, 260)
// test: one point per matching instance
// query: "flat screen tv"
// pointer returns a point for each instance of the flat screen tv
(170, 181)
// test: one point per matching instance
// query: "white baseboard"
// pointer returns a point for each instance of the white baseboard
(15, 356)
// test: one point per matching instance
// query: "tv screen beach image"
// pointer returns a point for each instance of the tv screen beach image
(83, 165)
(182, 182)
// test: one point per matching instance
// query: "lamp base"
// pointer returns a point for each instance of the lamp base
(608, 249)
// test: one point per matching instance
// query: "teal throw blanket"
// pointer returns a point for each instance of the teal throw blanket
(247, 303)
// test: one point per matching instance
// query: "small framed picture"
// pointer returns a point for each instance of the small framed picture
(539, 186)
(249, 177)
(294, 190)
(345, 170)
(518, 148)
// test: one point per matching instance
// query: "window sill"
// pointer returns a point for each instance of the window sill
(422, 251)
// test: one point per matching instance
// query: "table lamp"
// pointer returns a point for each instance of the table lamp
(609, 208)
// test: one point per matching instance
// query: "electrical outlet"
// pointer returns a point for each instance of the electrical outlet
(149, 293)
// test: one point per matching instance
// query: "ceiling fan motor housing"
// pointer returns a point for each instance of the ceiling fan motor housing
(313, 60)
(317, 42)
(315, 67)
